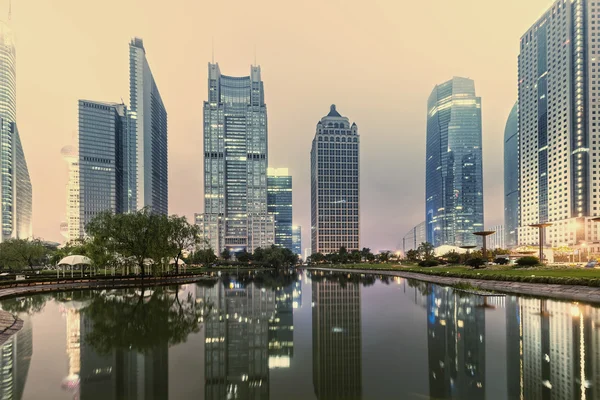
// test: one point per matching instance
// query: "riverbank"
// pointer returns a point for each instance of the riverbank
(562, 291)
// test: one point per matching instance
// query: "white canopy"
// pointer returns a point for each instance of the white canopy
(179, 262)
(75, 260)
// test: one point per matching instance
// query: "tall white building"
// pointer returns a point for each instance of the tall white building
(15, 184)
(414, 237)
(71, 156)
(497, 240)
(235, 163)
(559, 143)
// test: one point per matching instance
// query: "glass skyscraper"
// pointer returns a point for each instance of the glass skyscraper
(15, 187)
(454, 177)
(235, 163)
(149, 186)
(104, 139)
(335, 173)
(279, 204)
(511, 178)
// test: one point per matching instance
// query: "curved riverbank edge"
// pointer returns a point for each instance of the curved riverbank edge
(586, 294)
(91, 283)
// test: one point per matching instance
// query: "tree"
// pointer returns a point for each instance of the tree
(384, 256)
(317, 258)
(243, 256)
(21, 252)
(426, 251)
(226, 254)
(475, 262)
(343, 255)
(356, 256)
(452, 257)
(412, 255)
(366, 254)
(182, 236)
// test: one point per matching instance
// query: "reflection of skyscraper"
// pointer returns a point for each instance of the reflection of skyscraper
(456, 345)
(237, 349)
(552, 350)
(15, 358)
(281, 329)
(337, 368)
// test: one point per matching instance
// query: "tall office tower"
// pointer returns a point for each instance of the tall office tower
(297, 239)
(71, 156)
(456, 345)
(454, 177)
(279, 204)
(337, 352)
(335, 183)
(496, 240)
(236, 349)
(15, 184)
(511, 178)
(558, 132)
(15, 359)
(414, 237)
(235, 163)
(149, 185)
(104, 138)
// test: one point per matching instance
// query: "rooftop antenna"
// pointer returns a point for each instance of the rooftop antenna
(255, 55)
(213, 49)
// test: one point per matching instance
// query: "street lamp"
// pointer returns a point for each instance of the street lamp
(484, 235)
(541, 237)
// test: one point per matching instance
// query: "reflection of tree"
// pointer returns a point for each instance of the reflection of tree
(424, 288)
(29, 305)
(140, 319)
(344, 278)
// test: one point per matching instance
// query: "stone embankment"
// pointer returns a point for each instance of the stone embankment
(563, 292)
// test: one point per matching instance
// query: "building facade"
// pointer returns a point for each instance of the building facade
(235, 163)
(73, 225)
(297, 240)
(414, 237)
(511, 178)
(454, 169)
(279, 204)
(15, 183)
(149, 185)
(335, 185)
(497, 239)
(103, 134)
(558, 132)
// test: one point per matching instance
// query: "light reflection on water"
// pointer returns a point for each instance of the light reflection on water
(297, 336)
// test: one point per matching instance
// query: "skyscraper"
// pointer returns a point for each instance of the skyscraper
(454, 177)
(15, 184)
(279, 204)
(235, 163)
(149, 186)
(335, 182)
(558, 132)
(414, 237)
(103, 163)
(297, 239)
(511, 178)
(73, 224)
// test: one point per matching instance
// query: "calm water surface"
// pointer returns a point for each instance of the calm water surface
(299, 336)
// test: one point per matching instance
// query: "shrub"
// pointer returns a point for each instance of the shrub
(528, 261)
(502, 261)
(475, 262)
(429, 263)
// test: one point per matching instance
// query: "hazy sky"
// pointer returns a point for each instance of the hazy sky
(377, 60)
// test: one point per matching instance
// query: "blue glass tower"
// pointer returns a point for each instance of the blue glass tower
(511, 178)
(454, 177)
(279, 204)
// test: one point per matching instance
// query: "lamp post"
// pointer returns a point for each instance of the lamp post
(484, 235)
(541, 237)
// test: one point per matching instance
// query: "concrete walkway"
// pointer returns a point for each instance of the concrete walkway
(564, 292)
(91, 283)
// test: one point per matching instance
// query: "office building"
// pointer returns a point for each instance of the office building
(337, 340)
(279, 204)
(297, 240)
(235, 163)
(335, 183)
(281, 328)
(15, 186)
(558, 132)
(511, 178)
(15, 361)
(73, 225)
(454, 176)
(104, 138)
(497, 239)
(149, 185)
(414, 237)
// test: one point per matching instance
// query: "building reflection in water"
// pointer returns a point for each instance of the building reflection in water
(552, 349)
(336, 326)
(456, 344)
(15, 358)
(281, 328)
(237, 340)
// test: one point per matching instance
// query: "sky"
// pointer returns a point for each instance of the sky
(377, 60)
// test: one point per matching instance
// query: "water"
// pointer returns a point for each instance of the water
(329, 337)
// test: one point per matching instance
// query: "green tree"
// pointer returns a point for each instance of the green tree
(356, 256)
(226, 254)
(317, 258)
(384, 256)
(182, 236)
(452, 257)
(343, 255)
(412, 255)
(243, 256)
(366, 254)
(426, 251)
(24, 252)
